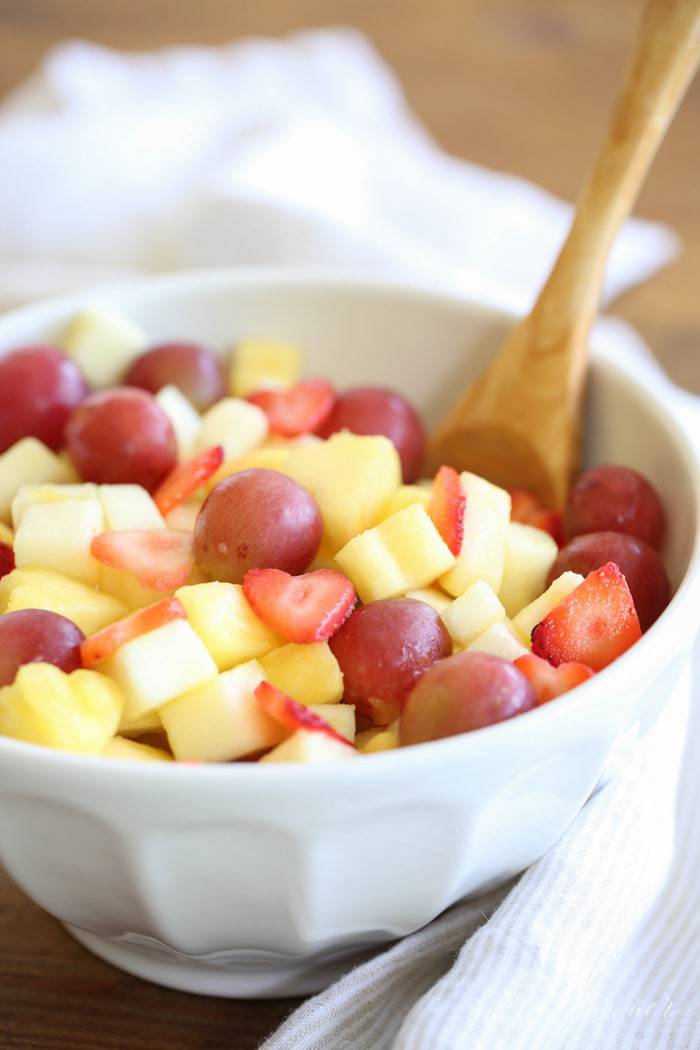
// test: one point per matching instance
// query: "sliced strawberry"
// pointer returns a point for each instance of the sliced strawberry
(7, 559)
(550, 682)
(300, 410)
(159, 559)
(527, 510)
(447, 508)
(593, 626)
(101, 646)
(186, 478)
(302, 609)
(292, 714)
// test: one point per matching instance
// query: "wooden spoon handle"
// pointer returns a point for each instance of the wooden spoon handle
(666, 54)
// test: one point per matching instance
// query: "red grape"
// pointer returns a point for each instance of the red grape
(7, 559)
(122, 436)
(614, 499)
(372, 410)
(383, 649)
(36, 636)
(256, 519)
(193, 369)
(637, 561)
(39, 388)
(465, 692)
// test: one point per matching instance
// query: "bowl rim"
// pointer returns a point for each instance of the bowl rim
(662, 637)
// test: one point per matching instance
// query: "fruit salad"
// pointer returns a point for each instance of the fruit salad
(207, 558)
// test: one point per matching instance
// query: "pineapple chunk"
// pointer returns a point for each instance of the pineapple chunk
(129, 507)
(485, 527)
(351, 477)
(6, 534)
(89, 609)
(310, 746)
(123, 585)
(404, 496)
(528, 618)
(76, 712)
(530, 554)
(438, 600)
(184, 417)
(473, 613)
(404, 552)
(499, 640)
(28, 462)
(130, 751)
(378, 739)
(221, 720)
(28, 495)
(223, 619)
(262, 365)
(340, 717)
(308, 673)
(148, 723)
(158, 666)
(103, 345)
(265, 458)
(236, 425)
(183, 518)
(58, 536)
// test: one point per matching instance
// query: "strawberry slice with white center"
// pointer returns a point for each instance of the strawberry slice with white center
(300, 410)
(186, 478)
(159, 559)
(293, 715)
(99, 647)
(527, 510)
(550, 682)
(302, 609)
(447, 508)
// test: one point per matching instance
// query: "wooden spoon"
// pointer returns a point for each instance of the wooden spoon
(519, 425)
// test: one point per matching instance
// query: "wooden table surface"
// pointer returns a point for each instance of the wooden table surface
(521, 85)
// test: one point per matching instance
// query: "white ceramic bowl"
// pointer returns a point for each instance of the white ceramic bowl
(246, 881)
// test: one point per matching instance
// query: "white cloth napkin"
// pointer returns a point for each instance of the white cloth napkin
(303, 151)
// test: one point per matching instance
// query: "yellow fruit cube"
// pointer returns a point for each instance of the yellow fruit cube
(404, 552)
(130, 751)
(433, 597)
(264, 458)
(89, 609)
(310, 746)
(528, 618)
(236, 425)
(77, 712)
(530, 554)
(28, 495)
(372, 741)
(148, 723)
(129, 507)
(404, 496)
(473, 613)
(184, 417)
(223, 619)
(500, 640)
(6, 534)
(259, 364)
(158, 666)
(222, 720)
(183, 518)
(484, 546)
(124, 586)
(340, 717)
(308, 673)
(351, 477)
(103, 345)
(58, 536)
(28, 462)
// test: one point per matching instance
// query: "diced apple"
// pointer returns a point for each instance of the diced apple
(236, 425)
(129, 507)
(384, 738)
(184, 417)
(528, 618)
(33, 588)
(340, 717)
(103, 345)
(404, 496)
(484, 545)
(148, 723)
(222, 617)
(351, 477)
(28, 495)
(433, 597)
(499, 640)
(530, 554)
(473, 613)
(130, 751)
(158, 666)
(58, 536)
(222, 720)
(403, 553)
(77, 712)
(308, 746)
(259, 364)
(308, 673)
(28, 462)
